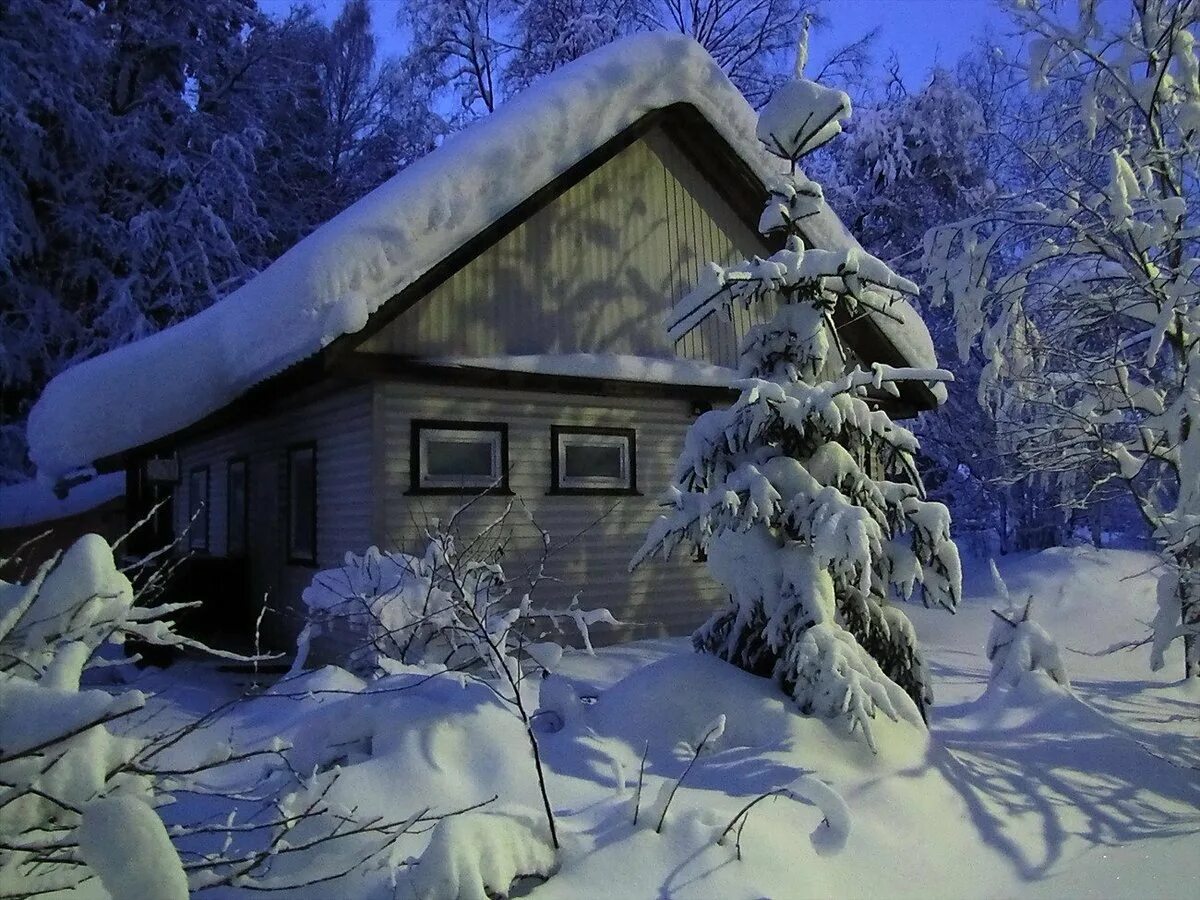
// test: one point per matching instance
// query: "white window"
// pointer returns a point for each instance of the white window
(592, 460)
(454, 457)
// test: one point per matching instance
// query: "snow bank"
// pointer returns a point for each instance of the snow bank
(331, 282)
(1085, 794)
(33, 502)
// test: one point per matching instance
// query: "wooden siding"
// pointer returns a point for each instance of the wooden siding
(593, 271)
(600, 533)
(341, 426)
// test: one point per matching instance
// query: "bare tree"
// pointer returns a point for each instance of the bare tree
(551, 33)
(460, 44)
(750, 39)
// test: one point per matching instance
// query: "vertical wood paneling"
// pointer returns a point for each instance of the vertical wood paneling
(341, 424)
(593, 271)
(600, 533)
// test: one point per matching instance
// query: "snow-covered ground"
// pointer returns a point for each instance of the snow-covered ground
(1036, 792)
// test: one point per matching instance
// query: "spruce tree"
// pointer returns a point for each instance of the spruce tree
(804, 494)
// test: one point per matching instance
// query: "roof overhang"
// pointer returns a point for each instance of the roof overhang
(392, 247)
(735, 182)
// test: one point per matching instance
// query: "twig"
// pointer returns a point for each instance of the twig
(679, 781)
(637, 797)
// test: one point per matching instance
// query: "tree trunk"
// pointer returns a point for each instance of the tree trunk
(1189, 612)
(1004, 521)
(1191, 640)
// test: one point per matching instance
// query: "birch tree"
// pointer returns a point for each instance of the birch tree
(1080, 288)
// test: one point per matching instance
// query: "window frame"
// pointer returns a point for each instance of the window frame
(558, 462)
(202, 513)
(293, 558)
(229, 510)
(419, 481)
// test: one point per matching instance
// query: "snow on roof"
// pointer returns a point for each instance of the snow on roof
(617, 366)
(33, 502)
(328, 284)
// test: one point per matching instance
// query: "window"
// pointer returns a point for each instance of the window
(592, 460)
(302, 504)
(197, 524)
(236, 507)
(459, 457)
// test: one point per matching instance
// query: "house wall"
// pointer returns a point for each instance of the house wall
(593, 271)
(340, 424)
(600, 533)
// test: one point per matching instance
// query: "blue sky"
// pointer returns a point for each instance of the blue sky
(922, 32)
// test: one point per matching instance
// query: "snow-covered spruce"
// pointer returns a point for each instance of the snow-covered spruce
(805, 498)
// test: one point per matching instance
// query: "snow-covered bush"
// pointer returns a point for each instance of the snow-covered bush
(393, 606)
(1018, 646)
(445, 612)
(479, 855)
(399, 609)
(803, 493)
(59, 764)
(79, 798)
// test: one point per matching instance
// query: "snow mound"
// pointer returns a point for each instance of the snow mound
(674, 700)
(330, 283)
(479, 855)
(434, 727)
(125, 843)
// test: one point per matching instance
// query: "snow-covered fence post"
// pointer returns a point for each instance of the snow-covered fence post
(779, 489)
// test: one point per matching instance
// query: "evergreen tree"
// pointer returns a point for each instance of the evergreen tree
(804, 496)
(126, 179)
(156, 154)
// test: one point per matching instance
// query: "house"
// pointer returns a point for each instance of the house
(494, 314)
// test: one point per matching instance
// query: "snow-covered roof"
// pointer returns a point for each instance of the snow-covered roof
(328, 284)
(34, 502)
(613, 366)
